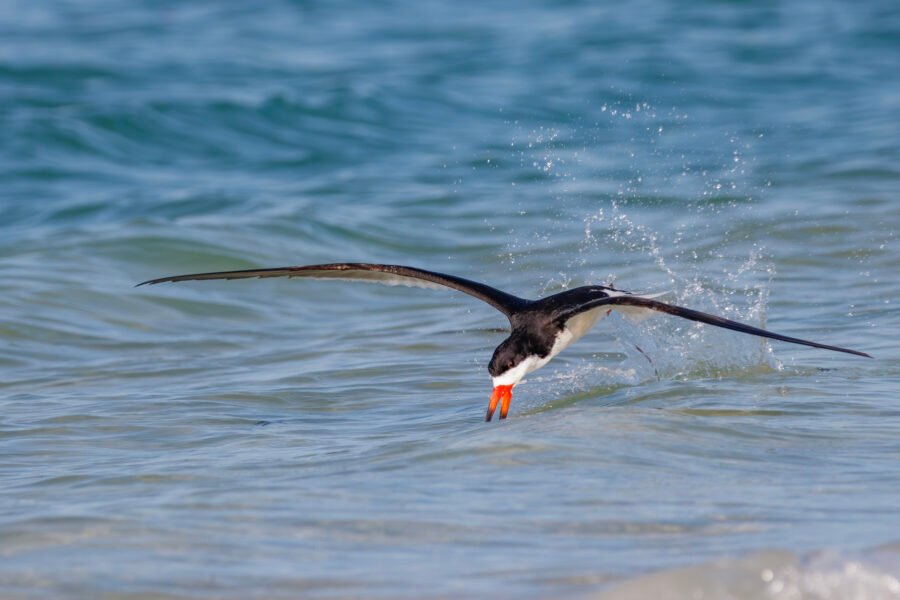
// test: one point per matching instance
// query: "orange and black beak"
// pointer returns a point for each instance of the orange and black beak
(502, 394)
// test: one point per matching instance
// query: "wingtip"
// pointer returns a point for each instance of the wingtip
(854, 352)
(849, 351)
(153, 281)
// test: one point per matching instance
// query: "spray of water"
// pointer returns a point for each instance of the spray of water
(706, 258)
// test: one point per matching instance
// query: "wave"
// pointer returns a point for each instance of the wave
(821, 575)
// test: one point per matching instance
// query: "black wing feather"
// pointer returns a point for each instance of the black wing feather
(389, 274)
(696, 315)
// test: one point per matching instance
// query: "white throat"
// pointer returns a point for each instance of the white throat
(533, 363)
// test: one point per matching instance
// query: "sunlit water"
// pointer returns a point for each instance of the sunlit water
(321, 439)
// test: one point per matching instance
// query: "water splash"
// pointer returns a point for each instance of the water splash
(706, 266)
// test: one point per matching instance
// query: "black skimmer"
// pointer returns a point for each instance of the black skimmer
(540, 329)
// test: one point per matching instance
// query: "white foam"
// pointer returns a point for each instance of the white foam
(826, 575)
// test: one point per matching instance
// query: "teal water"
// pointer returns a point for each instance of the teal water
(283, 439)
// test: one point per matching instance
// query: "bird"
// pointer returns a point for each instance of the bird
(539, 329)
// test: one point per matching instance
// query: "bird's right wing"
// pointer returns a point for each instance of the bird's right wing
(385, 274)
(640, 302)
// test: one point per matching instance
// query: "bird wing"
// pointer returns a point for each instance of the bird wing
(635, 313)
(385, 274)
(639, 302)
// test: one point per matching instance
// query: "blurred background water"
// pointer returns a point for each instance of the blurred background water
(317, 439)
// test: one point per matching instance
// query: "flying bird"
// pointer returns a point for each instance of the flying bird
(539, 329)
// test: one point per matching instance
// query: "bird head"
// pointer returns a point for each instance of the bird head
(512, 360)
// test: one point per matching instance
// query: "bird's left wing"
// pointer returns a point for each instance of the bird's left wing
(385, 274)
(627, 300)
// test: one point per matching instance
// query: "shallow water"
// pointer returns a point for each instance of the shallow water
(323, 439)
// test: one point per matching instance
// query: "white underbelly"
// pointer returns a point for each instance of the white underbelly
(577, 326)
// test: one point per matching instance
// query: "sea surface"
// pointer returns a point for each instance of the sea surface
(306, 439)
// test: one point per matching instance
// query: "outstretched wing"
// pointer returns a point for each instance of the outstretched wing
(385, 274)
(693, 315)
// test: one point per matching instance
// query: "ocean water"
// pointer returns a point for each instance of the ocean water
(288, 439)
